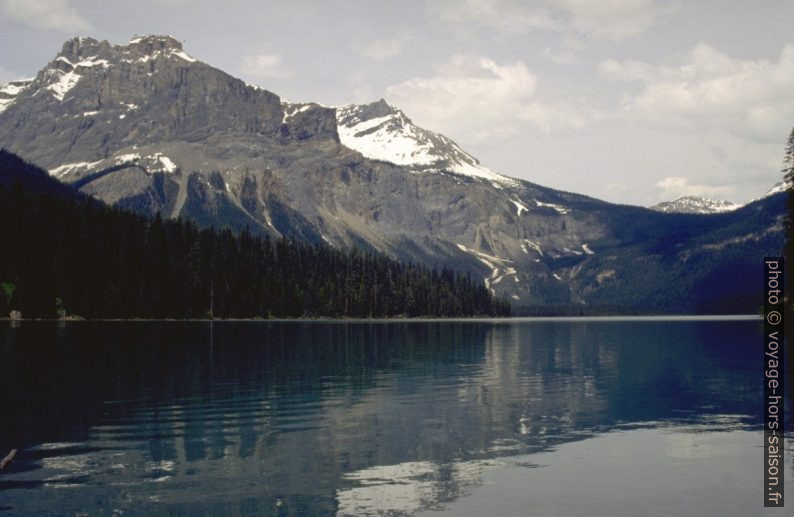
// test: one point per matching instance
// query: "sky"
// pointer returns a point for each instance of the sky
(631, 101)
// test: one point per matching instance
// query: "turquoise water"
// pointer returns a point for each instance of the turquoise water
(508, 417)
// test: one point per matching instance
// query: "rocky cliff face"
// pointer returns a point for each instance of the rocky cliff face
(146, 126)
(97, 98)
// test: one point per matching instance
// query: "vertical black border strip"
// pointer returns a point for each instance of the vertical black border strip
(774, 418)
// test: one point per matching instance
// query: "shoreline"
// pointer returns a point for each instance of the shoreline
(460, 319)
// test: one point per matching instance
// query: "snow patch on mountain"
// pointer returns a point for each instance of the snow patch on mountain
(15, 87)
(183, 55)
(63, 84)
(528, 244)
(484, 257)
(91, 62)
(381, 132)
(520, 207)
(67, 168)
(496, 264)
(292, 109)
(125, 159)
(10, 91)
(168, 165)
(65, 80)
(150, 164)
(560, 209)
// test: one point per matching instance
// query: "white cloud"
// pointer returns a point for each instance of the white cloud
(45, 14)
(8, 75)
(266, 66)
(610, 19)
(709, 91)
(613, 19)
(384, 48)
(566, 53)
(504, 15)
(360, 84)
(674, 187)
(481, 99)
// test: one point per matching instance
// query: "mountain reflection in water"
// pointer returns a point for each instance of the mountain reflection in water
(324, 418)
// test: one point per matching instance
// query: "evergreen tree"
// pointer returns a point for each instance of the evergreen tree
(788, 252)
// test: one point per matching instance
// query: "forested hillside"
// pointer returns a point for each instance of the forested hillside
(65, 253)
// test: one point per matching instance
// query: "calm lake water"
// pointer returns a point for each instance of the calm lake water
(516, 417)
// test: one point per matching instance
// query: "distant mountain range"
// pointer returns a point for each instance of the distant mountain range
(695, 205)
(145, 126)
(703, 205)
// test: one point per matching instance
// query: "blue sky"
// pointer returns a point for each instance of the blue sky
(633, 101)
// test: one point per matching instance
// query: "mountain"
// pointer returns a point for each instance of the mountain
(382, 132)
(72, 254)
(695, 205)
(147, 127)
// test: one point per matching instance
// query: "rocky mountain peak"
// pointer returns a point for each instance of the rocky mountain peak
(379, 113)
(84, 51)
(104, 99)
(149, 43)
(147, 47)
(377, 109)
(84, 59)
(380, 131)
(144, 48)
(81, 47)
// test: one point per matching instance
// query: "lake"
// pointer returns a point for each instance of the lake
(568, 417)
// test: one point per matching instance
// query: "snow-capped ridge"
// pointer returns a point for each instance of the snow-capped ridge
(780, 186)
(380, 131)
(695, 205)
(701, 205)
